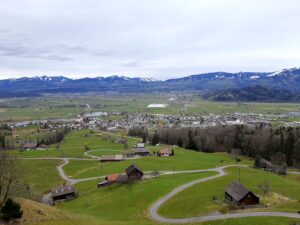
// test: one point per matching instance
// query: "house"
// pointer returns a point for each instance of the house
(30, 145)
(63, 193)
(166, 152)
(240, 196)
(263, 164)
(134, 173)
(268, 166)
(111, 158)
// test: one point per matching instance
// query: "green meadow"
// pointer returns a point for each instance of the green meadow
(128, 204)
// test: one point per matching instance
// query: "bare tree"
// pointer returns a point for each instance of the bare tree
(8, 176)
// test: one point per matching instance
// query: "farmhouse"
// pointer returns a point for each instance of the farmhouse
(165, 152)
(111, 158)
(238, 195)
(134, 173)
(264, 164)
(268, 166)
(63, 193)
(30, 145)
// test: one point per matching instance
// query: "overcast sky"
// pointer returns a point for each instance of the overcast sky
(147, 38)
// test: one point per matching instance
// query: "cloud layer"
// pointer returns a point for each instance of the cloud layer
(157, 38)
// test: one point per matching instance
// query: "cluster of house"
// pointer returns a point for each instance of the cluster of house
(132, 173)
(99, 121)
(137, 151)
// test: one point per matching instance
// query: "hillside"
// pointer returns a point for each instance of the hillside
(255, 93)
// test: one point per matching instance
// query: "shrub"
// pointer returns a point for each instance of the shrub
(11, 210)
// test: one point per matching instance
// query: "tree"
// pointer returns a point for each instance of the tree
(11, 210)
(9, 171)
(86, 148)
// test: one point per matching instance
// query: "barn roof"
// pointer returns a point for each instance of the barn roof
(131, 168)
(236, 190)
(62, 190)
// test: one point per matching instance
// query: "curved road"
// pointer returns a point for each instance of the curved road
(154, 208)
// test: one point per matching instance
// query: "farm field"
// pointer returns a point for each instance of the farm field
(58, 106)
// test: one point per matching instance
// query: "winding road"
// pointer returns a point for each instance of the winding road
(154, 208)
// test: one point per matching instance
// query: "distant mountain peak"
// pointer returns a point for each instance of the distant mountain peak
(285, 72)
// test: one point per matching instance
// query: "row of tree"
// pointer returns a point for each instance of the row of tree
(249, 141)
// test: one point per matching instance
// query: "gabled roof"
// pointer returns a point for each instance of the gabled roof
(62, 190)
(236, 190)
(131, 168)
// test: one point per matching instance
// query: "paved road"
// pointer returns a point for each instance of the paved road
(154, 208)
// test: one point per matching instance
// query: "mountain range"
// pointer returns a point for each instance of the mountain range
(208, 85)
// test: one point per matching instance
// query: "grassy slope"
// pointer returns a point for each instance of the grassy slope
(183, 160)
(127, 203)
(197, 200)
(41, 175)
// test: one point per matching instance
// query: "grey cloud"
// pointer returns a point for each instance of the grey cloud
(147, 38)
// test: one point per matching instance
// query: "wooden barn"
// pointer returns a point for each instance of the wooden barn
(238, 195)
(63, 193)
(134, 173)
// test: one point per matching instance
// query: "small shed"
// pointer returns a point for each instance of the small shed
(63, 193)
(165, 152)
(238, 195)
(134, 173)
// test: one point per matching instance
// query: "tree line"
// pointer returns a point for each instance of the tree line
(249, 141)
(53, 136)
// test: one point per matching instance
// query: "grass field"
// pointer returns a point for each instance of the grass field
(197, 201)
(128, 204)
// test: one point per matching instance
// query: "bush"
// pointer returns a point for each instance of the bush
(11, 210)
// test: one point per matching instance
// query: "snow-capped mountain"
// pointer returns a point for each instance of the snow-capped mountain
(286, 79)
